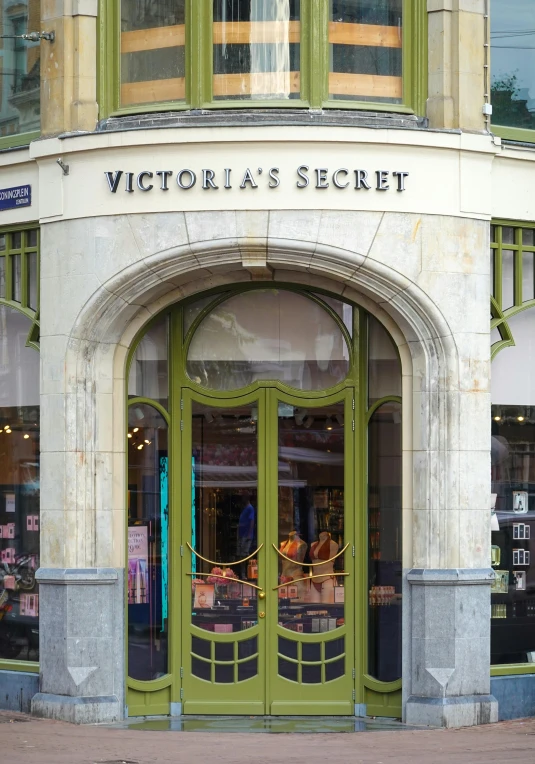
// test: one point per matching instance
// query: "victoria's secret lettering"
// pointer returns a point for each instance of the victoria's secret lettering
(209, 180)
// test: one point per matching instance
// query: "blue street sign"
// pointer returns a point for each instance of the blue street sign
(19, 196)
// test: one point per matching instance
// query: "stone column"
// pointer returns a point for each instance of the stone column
(69, 66)
(456, 40)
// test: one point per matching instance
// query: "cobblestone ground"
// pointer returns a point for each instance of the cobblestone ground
(28, 741)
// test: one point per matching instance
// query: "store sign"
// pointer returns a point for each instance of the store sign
(305, 177)
(18, 196)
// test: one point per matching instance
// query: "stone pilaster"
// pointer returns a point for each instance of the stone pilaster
(69, 66)
(456, 42)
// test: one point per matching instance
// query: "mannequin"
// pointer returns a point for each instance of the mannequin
(322, 589)
(295, 548)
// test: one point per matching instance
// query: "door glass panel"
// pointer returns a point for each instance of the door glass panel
(148, 535)
(256, 49)
(149, 368)
(384, 551)
(268, 334)
(384, 368)
(224, 518)
(311, 517)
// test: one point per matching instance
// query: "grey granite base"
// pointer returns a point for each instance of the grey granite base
(81, 643)
(464, 711)
(86, 710)
(515, 695)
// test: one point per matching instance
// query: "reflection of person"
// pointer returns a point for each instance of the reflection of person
(246, 528)
(322, 588)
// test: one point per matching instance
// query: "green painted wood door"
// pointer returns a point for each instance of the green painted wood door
(267, 573)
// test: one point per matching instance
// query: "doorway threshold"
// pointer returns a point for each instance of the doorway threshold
(263, 724)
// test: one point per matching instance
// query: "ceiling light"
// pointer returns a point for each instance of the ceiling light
(139, 448)
(136, 429)
(497, 419)
(129, 435)
(520, 418)
(328, 423)
(147, 442)
(26, 436)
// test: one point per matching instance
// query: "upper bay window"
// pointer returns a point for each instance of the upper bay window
(183, 54)
(513, 69)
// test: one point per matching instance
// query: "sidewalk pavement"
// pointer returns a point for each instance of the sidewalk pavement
(31, 741)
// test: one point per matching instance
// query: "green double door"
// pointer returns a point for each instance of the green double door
(267, 567)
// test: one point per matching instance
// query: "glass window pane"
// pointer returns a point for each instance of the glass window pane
(311, 518)
(16, 240)
(149, 370)
(342, 309)
(384, 367)
(224, 466)
(148, 543)
(19, 490)
(32, 280)
(508, 279)
(528, 237)
(268, 334)
(256, 49)
(365, 50)
(527, 276)
(513, 369)
(513, 527)
(153, 64)
(31, 238)
(513, 63)
(20, 65)
(192, 310)
(2, 277)
(508, 235)
(384, 543)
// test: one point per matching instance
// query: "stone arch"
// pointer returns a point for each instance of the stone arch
(106, 325)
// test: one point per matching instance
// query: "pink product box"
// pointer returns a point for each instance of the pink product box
(32, 523)
(223, 628)
(7, 531)
(29, 604)
(7, 555)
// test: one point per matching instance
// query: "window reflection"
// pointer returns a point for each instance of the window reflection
(224, 465)
(149, 372)
(384, 543)
(513, 527)
(513, 63)
(148, 543)
(384, 368)
(268, 334)
(20, 62)
(19, 490)
(256, 49)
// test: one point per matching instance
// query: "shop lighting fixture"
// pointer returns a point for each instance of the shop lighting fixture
(26, 436)
(497, 419)
(136, 429)
(139, 448)
(328, 423)
(129, 435)
(8, 431)
(520, 418)
(147, 442)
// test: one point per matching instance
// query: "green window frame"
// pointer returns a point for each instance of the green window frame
(21, 242)
(314, 63)
(518, 245)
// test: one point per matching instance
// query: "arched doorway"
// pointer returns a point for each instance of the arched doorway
(264, 504)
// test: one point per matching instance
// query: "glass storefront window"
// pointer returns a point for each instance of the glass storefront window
(513, 531)
(365, 42)
(148, 543)
(256, 49)
(19, 489)
(149, 371)
(513, 63)
(384, 543)
(384, 367)
(153, 45)
(20, 63)
(268, 334)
